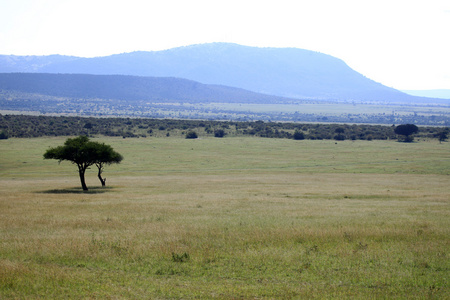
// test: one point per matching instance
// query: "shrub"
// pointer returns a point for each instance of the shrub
(298, 135)
(191, 135)
(219, 133)
(3, 136)
(339, 137)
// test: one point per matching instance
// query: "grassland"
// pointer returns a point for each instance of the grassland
(228, 218)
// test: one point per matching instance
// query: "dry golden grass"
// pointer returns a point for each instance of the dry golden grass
(244, 226)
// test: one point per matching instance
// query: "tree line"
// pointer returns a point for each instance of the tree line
(27, 126)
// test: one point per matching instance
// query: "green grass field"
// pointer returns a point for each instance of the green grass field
(232, 218)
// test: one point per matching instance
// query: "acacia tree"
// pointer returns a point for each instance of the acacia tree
(443, 135)
(84, 153)
(106, 156)
(407, 130)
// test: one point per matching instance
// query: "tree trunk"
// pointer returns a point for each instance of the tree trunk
(83, 181)
(100, 170)
(102, 180)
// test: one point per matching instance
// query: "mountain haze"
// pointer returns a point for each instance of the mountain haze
(439, 93)
(287, 72)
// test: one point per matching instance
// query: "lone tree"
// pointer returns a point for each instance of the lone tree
(106, 156)
(191, 135)
(84, 153)
(407, 130)
(443, 135)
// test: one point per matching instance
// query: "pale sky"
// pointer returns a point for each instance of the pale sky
(403, 44)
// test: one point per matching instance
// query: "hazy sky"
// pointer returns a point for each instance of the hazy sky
(403, 44)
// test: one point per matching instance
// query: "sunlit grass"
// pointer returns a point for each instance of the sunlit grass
(228, 218)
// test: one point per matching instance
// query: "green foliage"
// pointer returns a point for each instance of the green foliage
(407, 130)
(191, 135)
(219, 133)
(443, 135)
(35, 126)
(76, 150)
(298, 135)
(339, 130)
(339, 137)
(105, 155)
(3, 135)
(84, 153)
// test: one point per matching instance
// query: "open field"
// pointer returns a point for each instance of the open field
(332, 108)
(228, 218)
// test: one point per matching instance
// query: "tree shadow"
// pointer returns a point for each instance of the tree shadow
(77, 190)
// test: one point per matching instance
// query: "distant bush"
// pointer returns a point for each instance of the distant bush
(443, 135)
(298, 135)
(407, 130)
(339, 137)
(191, 135)
(339, 130)
(219, 133)
(3, 136)
(24, 126)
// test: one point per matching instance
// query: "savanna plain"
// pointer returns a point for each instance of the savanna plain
(231, 218)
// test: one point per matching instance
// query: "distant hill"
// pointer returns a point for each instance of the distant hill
(29, 64)
(287, 72)
(128, 88)
(169, 97)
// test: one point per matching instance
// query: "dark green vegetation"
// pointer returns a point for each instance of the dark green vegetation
(407, 130)
(191, 134)
(443, 135)
(84, 153)
(36, 126)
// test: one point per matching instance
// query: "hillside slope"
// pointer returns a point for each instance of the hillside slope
(129, 88)
(288, 72)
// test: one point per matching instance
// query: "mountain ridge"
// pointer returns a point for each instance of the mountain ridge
(285, 72)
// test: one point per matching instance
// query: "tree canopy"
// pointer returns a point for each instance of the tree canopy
(106, 156)
(84, 153)
(443, 135)
(407, 130)
(191, 135)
